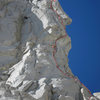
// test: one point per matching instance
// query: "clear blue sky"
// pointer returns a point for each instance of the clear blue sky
(84, 57)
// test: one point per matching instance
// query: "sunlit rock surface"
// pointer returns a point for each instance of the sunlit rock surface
(97, 95)
(28, 29)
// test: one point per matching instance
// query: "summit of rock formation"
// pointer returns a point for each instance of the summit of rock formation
(34, 49)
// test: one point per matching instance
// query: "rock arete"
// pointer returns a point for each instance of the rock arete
(28, 30)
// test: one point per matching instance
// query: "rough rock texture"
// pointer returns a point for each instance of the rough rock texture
(28, 28)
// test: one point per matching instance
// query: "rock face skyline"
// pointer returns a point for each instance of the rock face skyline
(34, 51)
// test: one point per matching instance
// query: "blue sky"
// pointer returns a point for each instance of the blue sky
(84, 57)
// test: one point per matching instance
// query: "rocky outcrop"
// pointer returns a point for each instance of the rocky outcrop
(97, 95)
(30, 67)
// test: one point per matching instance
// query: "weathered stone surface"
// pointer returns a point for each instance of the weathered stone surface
(28, 29)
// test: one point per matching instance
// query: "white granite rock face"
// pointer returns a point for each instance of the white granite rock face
(97, 95)
(28, 28)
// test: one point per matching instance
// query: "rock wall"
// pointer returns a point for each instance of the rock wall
(28, 29)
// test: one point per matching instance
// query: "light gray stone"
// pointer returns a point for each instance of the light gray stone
(28, 29)
(97, 95)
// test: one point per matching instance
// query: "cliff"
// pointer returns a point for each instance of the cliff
(34, 49)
